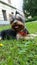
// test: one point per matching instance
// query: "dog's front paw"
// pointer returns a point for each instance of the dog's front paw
(17, 36)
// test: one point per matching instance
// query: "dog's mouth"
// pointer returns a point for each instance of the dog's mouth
(17, 26)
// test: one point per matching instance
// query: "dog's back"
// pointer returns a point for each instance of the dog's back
(7, 34)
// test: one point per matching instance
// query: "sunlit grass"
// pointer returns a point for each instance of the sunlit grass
(19, 52)
(32, 27)
(4, 27)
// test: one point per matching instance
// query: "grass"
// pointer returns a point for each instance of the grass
(4, 27)
(19, 52)
(32, 27)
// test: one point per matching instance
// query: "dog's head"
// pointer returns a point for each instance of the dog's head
(16, 22)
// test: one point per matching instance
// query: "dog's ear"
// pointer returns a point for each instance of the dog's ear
(11, 18)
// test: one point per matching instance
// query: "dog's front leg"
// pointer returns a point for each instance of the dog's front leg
(17, 36)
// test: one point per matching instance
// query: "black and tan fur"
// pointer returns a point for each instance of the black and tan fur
(15, 21)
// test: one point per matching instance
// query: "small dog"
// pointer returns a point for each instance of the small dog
(17, 28)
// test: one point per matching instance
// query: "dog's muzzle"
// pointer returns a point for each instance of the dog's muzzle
(17, 25)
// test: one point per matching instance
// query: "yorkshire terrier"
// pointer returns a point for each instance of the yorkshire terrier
(17, 30)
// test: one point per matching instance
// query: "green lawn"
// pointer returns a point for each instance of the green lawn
(19, 52)
(32, 27)
(5, 27)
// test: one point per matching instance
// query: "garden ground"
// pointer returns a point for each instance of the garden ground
(20, 52)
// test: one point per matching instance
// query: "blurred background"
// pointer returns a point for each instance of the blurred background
(7, 7)
(28, 7)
